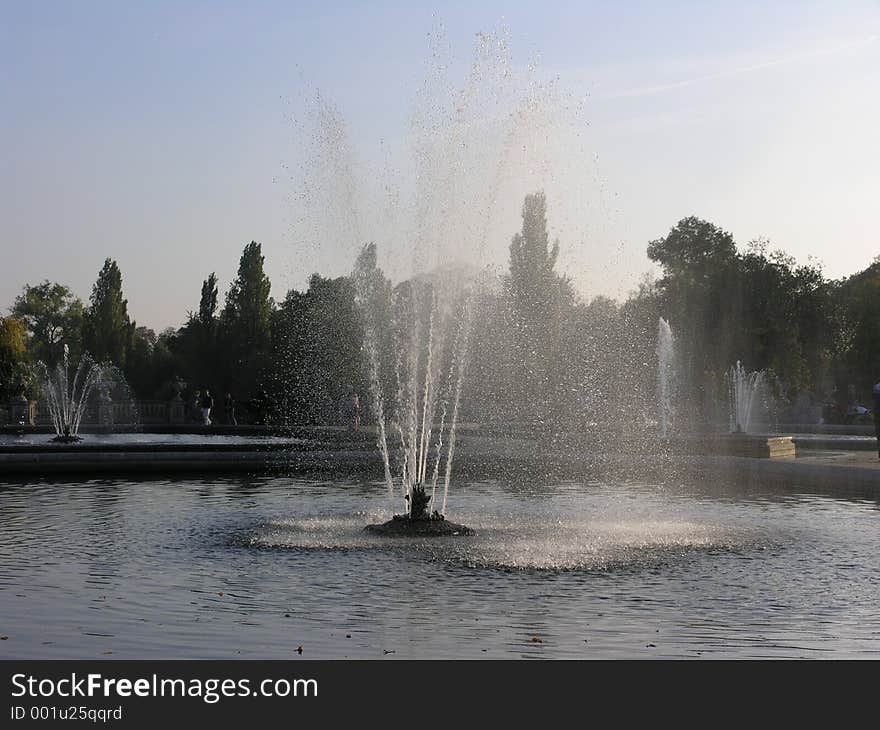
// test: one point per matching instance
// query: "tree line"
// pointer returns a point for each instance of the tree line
(539, 352)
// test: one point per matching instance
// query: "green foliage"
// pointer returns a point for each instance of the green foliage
(858, 344)
(318, 351)
(195, 345)
(757, 307)
(244, 339)
(699, 265)
(54, 317)
(248, 308)
(692, 247)
(374, 300)
(108, 331)
(13, 354)
(537, 353)
(140, 372)
(537, 299)
(208, 301)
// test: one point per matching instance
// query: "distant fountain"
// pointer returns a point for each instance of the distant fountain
(746, 390)
(68, 395)
(67, 398)
(666, 377)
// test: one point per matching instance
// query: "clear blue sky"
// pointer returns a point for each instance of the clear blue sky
(158, 133)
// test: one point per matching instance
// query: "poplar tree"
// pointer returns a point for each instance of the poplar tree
(107, 329)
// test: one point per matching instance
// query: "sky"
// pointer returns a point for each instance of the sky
(167, 135)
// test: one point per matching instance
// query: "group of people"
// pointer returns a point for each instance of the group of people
(351, 410)
(203, 405)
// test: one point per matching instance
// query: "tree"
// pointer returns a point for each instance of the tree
(858, 351)
(537, 299)
(318, 351)
(108, 330)
(784, 316)
(195, 344)
(245, 336)
(13, 354)
(139, 371)
(54, 317)
(700, 296)
(247, 313)
(692, 245)
(373, 299)
(208, 301)
(758, 307)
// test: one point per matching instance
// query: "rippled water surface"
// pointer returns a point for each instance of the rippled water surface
(257, 567)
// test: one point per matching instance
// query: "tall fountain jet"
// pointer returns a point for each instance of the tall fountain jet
(429, 322)
(474, 148)
(666, 377)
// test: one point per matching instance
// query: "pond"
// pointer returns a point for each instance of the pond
(259, 567)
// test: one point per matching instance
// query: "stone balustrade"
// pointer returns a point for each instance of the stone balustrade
(99, 413)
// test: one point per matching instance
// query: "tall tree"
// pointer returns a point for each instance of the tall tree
(53, 316)
(537, 298)
(108, 330)
(699, 293)
(208, 301)
(248, 308)
(858, 364)
(196, 343)
(245, 336)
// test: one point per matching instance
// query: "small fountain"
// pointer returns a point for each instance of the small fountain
(666, 377)
(745, 390)
(66, 398)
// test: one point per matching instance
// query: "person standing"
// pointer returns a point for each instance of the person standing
(207, 405)
(352, 410)
(877, 415)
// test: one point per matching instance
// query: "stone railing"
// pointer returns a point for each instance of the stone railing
(98, 413)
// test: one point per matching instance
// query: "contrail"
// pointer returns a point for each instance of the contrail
(660, 88)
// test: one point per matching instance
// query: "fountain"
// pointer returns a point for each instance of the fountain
(748, 391)
(666, 377)
(562, 514)
(745, 390)
(469, 145)
(67, 398)
(429, 341)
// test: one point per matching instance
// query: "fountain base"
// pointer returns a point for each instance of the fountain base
(67, 439)
(405, 526)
